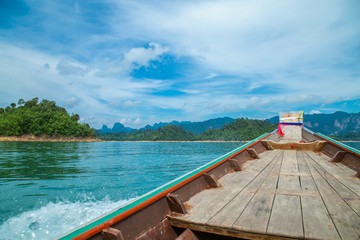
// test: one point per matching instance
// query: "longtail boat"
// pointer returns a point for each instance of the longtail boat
(291, 183)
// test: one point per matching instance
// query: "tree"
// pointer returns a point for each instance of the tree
(13, 105)
(45, 118)
(75, 117)
(21, 102)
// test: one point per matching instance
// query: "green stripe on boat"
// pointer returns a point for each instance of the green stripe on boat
(153, 193)
(339, 143)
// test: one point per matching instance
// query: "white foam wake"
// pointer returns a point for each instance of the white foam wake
(55, 219)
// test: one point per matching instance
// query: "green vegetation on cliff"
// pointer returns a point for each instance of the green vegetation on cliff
(44, 118)
(349, 136)
(240, 130)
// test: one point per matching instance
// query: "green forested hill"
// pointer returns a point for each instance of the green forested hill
(44, 118)
(166, 133)
(241, 129)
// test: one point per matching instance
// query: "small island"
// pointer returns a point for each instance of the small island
(42, 121)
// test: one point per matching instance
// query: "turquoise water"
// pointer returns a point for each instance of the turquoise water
(49, 188)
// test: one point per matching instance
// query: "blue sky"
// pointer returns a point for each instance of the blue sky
(141, 62)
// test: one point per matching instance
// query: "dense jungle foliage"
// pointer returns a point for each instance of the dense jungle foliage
(240, 130)
(44, 118)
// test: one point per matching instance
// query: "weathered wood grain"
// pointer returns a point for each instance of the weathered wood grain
(232, 210)
(346, 221)
(210, 201)
(284, 194)
(256, 215)
(317, 221)
(289, 179)
(336, 172)
(286, 217)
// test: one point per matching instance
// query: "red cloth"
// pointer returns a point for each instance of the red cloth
(280, 130)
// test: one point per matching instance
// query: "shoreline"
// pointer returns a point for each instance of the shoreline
(32, 138)
(214, 141)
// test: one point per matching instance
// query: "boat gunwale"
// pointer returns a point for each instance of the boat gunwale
(338, 144)
(95, 226)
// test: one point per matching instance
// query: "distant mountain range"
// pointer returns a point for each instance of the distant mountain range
(117, 128)
(194, 127)
(328, 124)
(239, 130)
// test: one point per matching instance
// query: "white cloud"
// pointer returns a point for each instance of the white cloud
(134, 58)
(314, 112)
(290, 53)
(211, 75)
(258, 103)
(131, 104)
(71, 102)
(66, 68)
(141, 57)
(138, 121)
(132, 121)
(297, 44)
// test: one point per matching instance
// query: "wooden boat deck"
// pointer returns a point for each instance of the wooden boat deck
(284, 194)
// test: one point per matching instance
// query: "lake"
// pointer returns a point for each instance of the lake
(47, 189)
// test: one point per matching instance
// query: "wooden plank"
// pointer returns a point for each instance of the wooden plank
(316, 218)
(207, 203)
(346, 221)
(306, 181)
(289, 173)
(256, 215)
(336, 172)
(257, 165)
(248, 164)
(289, 164)
(345, 193)
(298, 193)
(286, 218)
(317, 221)
(235, 233)
(350, 171)
(232, 210)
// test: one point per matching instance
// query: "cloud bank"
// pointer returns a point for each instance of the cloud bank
(183, 60)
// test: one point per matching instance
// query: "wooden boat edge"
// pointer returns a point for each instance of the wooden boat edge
(95, 227)
(107, 220)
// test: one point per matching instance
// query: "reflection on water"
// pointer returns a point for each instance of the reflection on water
(35, 160)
